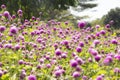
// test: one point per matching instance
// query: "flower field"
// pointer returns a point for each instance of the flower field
(37, 50)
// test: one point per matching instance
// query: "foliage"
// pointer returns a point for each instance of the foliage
(33, 7)
(56, 50)
(113, 14)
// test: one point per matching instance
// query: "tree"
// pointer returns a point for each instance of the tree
(33, 7)
(113, 14)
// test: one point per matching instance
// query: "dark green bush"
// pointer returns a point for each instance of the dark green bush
(113, 14)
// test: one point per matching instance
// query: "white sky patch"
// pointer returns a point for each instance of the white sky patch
(97, 12)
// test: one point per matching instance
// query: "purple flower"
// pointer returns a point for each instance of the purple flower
(107, 60)
(3, 6)
(32, 77)
(64, 55)
(97, 58)
(76, 74)
(93, 52)
(48, 65)
(1, 73)
(96, 42)
(114, 41)
(58, 52)
(97, 26)
(65, 42)
(116, 70)
(13, 16)
(57, 73)
(117, 57)
(2, 28)
(21, 62)
(80, 61)
(98, 34)
(38, 66)
(81, 44)
(13, 30)
(81, 24)
(107, 26)
(19, 11)
(17, 47)
(73, 63)
(84, 77)
(99, 78)
(6, 14)
(102, 32)
(79, 49)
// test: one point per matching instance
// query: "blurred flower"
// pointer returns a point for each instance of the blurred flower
(32, 77)
(81, 24)
(76, 74)
(2, 28)
(73, 63)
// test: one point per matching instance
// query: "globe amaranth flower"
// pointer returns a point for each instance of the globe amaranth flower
(2, 28)
(21, 62)
(81, 24)
(99, 78)
(19, 12)
(79, 49)
(73, 63)
(32, 77)
(96, 42)
(58, 52)
(3, 6)
(107, 60)
(97, 58)
(76, 74)
(114, 41)
(102, 32)
(81, 44)
(57, 73)
(116, 70)
(13, 30)
(93, 52)
(6, 14)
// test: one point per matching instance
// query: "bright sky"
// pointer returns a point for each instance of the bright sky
(97, 12)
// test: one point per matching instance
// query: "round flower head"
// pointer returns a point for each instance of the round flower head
(2, 28)
(116, 70)
(93, 52)
(32, 77)
(73, 63)
(107, 60)
(57, 73)
(99, 78)
(81, 44)
(13, 30)
(107, 26)
(78, 49)
(3, 6)
(58, 52)
(6, 14)
(102, 32)
(81, 24)
(96, 42)
(97, 26)
(19, 11)
(13, 16)
(76, 74)
(21, 62)
(114, 41)
(97, 58)
(17, 47)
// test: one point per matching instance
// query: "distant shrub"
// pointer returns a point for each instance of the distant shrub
(113, 15)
